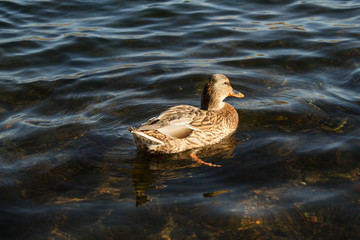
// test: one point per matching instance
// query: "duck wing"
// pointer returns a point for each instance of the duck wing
(180, 121)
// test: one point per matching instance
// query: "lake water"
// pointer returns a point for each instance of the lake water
(75, 75)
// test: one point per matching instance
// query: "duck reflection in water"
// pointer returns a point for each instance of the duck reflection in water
(182, 128)
(152, 170)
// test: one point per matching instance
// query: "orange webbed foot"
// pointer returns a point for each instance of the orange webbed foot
(198, 160)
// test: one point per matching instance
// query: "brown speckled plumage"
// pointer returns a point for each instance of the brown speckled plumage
(185, 127)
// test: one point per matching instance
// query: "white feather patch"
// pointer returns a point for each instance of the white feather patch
(178, 128)
(148, 137)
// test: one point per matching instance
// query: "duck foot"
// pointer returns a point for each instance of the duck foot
(198, 160)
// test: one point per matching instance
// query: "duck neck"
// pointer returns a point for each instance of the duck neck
(208, 102)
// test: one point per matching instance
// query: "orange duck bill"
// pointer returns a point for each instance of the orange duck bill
(235, 93)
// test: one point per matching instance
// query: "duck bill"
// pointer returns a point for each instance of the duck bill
(235, 93)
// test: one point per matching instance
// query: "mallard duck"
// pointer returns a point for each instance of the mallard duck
(185, 127)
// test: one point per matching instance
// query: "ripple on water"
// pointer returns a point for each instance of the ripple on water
(75, 76)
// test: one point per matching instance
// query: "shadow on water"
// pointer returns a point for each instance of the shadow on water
(151, 170)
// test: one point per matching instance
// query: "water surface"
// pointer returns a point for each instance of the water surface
(76, 75)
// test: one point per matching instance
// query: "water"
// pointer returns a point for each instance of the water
(75, 75)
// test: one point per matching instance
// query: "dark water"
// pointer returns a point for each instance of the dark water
(75, 75)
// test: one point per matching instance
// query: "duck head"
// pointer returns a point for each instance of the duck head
(215, 91)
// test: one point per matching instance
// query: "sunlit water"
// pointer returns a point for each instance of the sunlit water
(75, 75)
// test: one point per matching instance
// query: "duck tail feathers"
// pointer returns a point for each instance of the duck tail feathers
(143, 135)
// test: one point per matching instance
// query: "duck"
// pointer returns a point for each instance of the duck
(184, 127)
